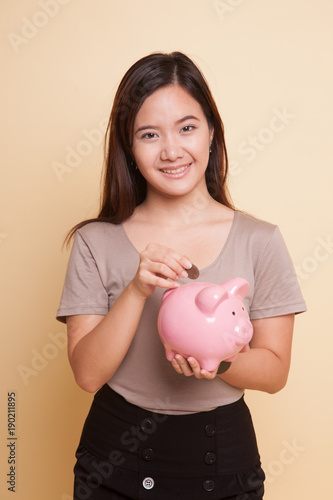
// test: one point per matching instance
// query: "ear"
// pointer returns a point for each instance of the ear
(237, 287)
(211, 135)
(210, 297)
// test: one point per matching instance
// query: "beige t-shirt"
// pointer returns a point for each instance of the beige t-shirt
(103, 261)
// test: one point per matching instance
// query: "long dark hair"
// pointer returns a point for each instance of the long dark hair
(124, 188)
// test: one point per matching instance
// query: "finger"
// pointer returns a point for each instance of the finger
(208, 375)
(149, 269)
(165, 252)
(146, 282)
(169, 267)
(148, 274)
(165, 270)
(176, 366)
(195, 366)
(198, 372)
(172, 259)
(184, 365)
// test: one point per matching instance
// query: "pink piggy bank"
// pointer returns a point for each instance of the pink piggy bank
(206, 321)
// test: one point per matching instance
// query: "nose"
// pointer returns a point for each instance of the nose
(171, 149)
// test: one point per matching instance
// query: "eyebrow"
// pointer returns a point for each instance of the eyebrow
(178, 122)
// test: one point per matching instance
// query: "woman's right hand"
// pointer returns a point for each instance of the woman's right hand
(159, 267)
(96, 344)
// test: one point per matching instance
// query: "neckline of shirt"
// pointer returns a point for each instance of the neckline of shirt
(223, 249)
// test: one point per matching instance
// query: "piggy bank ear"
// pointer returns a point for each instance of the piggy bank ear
(166, 293)
(237, 287)
(210, 297)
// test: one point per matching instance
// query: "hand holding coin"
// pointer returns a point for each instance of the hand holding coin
(193, 272)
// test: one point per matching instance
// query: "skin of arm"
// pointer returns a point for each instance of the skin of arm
(98, 344)
(264, 367)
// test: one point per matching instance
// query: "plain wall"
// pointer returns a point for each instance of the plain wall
(269, 65)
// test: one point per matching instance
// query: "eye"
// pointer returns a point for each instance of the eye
(187, 128)
(233, 313)
(243, 309)
(149, 135)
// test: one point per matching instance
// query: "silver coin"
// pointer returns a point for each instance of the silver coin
(193, 272)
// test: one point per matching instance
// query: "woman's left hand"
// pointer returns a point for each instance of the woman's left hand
(190, 366)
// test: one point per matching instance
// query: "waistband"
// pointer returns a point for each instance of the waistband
(220, 441)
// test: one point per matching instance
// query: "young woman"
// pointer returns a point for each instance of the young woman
(160, 429)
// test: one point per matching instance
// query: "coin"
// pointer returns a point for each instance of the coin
(193, 272)
(224, 365)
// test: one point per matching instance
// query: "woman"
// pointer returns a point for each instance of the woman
(157, 429)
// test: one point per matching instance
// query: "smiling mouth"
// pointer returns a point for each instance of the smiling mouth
(175, 170)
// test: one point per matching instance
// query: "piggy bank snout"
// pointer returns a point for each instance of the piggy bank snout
(243, 330)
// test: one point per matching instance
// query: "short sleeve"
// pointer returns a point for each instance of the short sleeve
(83, 291)
(276, 288)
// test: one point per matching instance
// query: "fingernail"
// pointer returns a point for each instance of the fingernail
(184, 274)
(187, 264)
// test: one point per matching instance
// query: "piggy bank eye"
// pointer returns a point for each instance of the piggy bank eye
(233, 313)
(243, 309)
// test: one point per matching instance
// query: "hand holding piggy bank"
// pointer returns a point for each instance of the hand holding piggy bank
(206, 321)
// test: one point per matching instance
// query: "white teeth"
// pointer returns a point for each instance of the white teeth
(177, 171)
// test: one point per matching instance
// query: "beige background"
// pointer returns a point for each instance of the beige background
(62, 62)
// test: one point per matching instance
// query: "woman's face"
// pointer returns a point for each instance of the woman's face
(171, 142)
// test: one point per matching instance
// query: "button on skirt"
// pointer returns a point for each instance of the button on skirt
(126, 452)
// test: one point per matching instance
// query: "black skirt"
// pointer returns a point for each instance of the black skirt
(126, 452)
